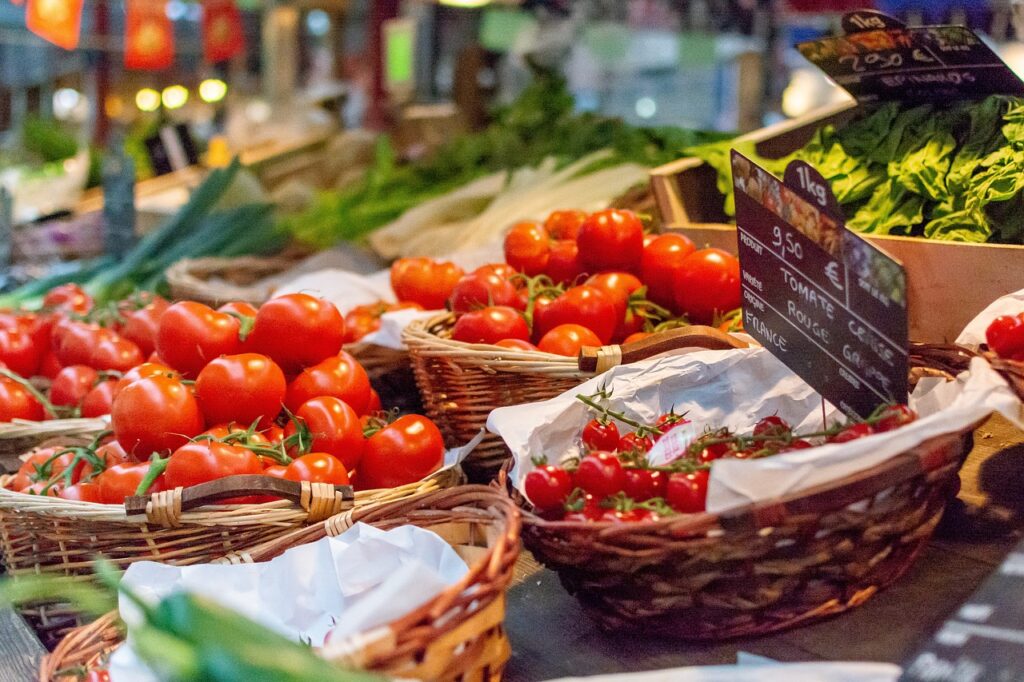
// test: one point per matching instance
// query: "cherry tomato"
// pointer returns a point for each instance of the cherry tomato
(424, 281)
(600, 474)
(340, 376)
(643, 484)
(404, 451)
(16, 402)
(707, 283)
(612, 239)
(241, 388)
(687, 493)
(583, 305)
(298, 331)
(568, 340)
(589, 510)
(1005, 335)
(491, 325)
(191, 334)
(480, 290)
(99, 400)
(663, 258)
(202, 461)
(631, 442)
(109, 454)
(564, 264)
(73, 342)
(516, 344)
(893, 417)
(114, 352)
(713, 451)
(154, 415)
(628, 516)
(83, 492)
(144, 371)
(122, 480)
(140, 326)
(69, 297)
(564, 224)
(335, 429)
(72, 384)
(548, 486)
(317, 467)
(669, 421)
(799, 444)
(527, 248)
(598, 435)
(772, 425)
(618, 286)
(20, 352)
(50, 365)
(852, 432)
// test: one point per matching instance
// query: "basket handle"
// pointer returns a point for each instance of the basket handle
(694, 336)
(321, 500)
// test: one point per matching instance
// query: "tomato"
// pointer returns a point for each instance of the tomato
(140, 326)
(563, 261)
(1005, 335)
(852, 432)
(633, 338)
(618, 286)
(600, 435)
(516, 344)
(298, 331)
(600, 474)
(527, 248)
(191, 334)
(239, 308)
(241, 388)
(334, 427)
(340, 376)
(564, 224)
(374, 405)
(424, 281)
(69, 297)
(114, 352)
(482, 289)
(72, 384)
(714, 451)
(687, 493)
(669, 421)
(772, 425)
(16, 402)
(503, 270)
(318, 467)
(799, 444)
(359, 323)
(402, 452)
(583, 305)
(588, 509)
(74, 341)
(155, 414)
(631, 442)
(43, 488)
(706, 284)
(643, 484)
(97, 676)
(122, 480)
(202, 461)
(661, 260)
(276, 471)
(612, 239)
(83, 492)
(50, 365)
(491, 325)
(109, 454)
(568, 340)
(628, 515)
(20, 352)
(548, 486)
(144, 371)
(893, 417)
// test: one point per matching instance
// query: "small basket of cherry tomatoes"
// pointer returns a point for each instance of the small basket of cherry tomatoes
(514, 330)
(617, 504)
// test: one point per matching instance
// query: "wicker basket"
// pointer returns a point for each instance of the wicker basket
(767, 566)
(19, 436)
(460, 383)
(216, 281)
(458, 635)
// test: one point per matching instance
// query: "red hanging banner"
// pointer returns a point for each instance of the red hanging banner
(222, 30)
(58, 21)
(148, 36)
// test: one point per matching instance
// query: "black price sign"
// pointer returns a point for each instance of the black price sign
(829, 304)
(985, 639)
(881, 59)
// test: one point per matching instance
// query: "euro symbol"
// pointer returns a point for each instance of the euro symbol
(832, 272)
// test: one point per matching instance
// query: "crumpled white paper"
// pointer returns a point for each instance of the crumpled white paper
(772, 672)
(734, 389)
(336, 587)
(973, 334)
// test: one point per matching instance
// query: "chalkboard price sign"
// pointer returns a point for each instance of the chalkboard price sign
(829, 304)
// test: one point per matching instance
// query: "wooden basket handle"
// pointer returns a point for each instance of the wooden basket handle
(321, 500)
(694, 336)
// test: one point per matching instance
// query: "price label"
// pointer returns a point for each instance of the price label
(829, 304)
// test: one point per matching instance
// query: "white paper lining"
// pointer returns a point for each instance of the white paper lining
(973, 334)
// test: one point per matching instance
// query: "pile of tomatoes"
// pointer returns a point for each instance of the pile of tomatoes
(614, 482)
(237, 390)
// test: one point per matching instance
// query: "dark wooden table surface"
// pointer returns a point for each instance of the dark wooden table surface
(551, 637)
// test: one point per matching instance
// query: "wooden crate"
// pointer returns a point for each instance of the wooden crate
(948, 282)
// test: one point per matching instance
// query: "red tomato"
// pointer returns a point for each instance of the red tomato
(590, 510)
(16, 402)
(191, 334)
(633, 338)
(662, 259)
(335, 429)
(612, 239)
(202, 461)
(83, 492)
(600, 474)
(359, 323)
(43, 488)
(687, 493)
(527, 248)
(107, 455)
(1005, 335)
(424, 281)
(20, 352)
(298, 331)
(140, 326)
(239, 308)
(799, 444)
(503, 270)
(491, 325)
(631, 442)
(317, 467)
(772, 425)
(643, 484)
(564, 261)
(707, 283)
(122, 480)
(276, 471)
(340, 376)
(516, 344)
(629, 515)
(568, 340)
(852, 432)
(98, 401)
(598, 435)
(404, 451)
(50, 365)
(618, 286)
(154, 415)
(72, 384)
(144, 371)
(69, 297)
(583, 305)
(548, 486)
(482, 289)
(74, 341)
(241, 388)
(564, 224)
(97, 676)
(374, 405)
(114, 352)
(893, 417)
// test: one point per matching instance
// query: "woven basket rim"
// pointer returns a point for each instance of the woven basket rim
(23, 428)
